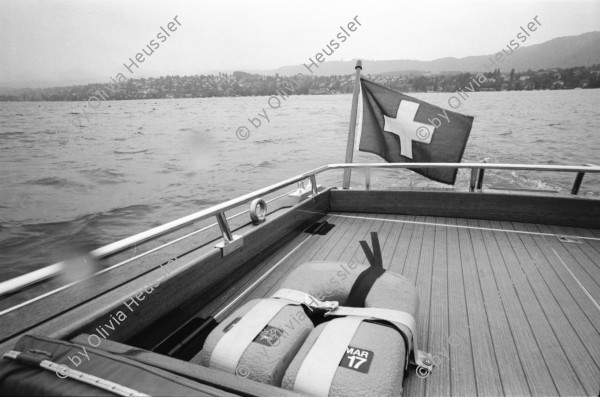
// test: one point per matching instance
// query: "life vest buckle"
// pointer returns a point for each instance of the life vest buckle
(314, 303)
(302, 298)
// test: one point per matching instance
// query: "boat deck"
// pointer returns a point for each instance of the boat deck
(505, 308)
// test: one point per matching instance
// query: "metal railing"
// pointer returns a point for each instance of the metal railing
(218, 211)
(477, 169)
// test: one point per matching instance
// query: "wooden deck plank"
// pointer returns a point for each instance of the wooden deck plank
(510, 367)
(423, 282)
(582, 231)
(578, 359)
(591, 240)
(587, 258)
(569, 322)
(462, 372)
(397, 265)
(410, 267)
(387, 240)
(495, 322)
(349, 249)
(384, 227)
(389, 247)
(595, 232)
(519, 265)
(401, 251)
(572, 285)
(588, 248)
(342, 225)
(438, 383)
(591, 248)
(535, 370)
(484, 358)
(584, 316)
(337, 249)
(377, 225)
(577, 262)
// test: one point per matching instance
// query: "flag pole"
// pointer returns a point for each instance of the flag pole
(352, 130)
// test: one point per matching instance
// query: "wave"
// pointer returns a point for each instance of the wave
(9, 133)
(103, 176)
(130, 151)
(54, 181)
(266, 164)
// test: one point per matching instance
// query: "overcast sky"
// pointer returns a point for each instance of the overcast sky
(74, 41)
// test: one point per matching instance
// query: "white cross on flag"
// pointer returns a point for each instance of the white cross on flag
(401, 129)
(407, 129)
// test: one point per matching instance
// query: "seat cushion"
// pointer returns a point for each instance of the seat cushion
(372, 364)
(266, 358)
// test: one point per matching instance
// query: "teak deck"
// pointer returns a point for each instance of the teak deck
(505, 307)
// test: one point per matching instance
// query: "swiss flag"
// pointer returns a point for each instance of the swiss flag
(401, 129)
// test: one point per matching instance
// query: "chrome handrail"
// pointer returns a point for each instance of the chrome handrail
(219, 209)
(129, 242)
(215, 210)
(499, 166)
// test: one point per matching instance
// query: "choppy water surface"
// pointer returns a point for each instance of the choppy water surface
(137, 164)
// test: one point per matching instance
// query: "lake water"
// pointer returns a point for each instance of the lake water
(138, 164)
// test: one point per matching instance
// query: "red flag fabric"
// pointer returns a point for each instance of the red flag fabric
(400, 129)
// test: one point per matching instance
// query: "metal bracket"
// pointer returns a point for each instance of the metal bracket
(227, 247)
(230, 241)
(320, 228)
(569, 239)
(424, 363)
(300, 195)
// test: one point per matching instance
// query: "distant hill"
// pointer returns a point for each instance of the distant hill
(562, 52)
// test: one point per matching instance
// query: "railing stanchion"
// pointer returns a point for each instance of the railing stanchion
(230, 241)
(473, 179)
(313, 185)
(577, 183)
(367, 178)
(224, 226)
(480, 174)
